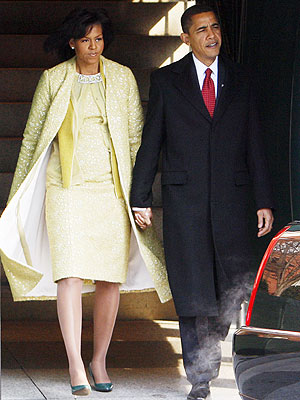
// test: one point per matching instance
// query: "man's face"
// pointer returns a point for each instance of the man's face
(204, 37)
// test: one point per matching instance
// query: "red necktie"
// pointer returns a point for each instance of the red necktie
(208, 92)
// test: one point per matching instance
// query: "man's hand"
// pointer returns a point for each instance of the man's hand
(265, 221)
(143, 218)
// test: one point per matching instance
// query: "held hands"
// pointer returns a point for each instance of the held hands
(265, 221)
(143, 218)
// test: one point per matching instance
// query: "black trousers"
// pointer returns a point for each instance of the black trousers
(201, 349)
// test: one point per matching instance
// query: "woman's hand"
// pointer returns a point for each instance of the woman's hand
(143, 218)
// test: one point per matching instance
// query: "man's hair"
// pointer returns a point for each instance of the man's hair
(186, 19)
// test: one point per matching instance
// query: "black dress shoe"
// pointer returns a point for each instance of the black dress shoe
(200, 391)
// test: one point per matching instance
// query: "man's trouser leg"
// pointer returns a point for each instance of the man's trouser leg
(201, 351)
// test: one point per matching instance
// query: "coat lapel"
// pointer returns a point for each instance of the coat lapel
(226, 89)
(186, 81)
(113, 97)
(61, 100)
(58, 108)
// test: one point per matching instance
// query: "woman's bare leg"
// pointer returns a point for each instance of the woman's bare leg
(105, 312)
(69, 311)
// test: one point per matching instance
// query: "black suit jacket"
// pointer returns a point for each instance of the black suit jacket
(208, 165)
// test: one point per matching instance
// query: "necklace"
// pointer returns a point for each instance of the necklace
(89, 78)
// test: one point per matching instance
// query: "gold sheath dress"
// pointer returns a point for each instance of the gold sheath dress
(88, 226)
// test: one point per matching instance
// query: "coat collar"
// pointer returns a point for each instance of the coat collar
(188, 85)
(66, 74)
(227, 85)
(186, 81)
(60, 96)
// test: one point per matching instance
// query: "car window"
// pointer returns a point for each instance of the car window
(277, 301)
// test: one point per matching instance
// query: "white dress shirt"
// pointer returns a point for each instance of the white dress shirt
(201, 68)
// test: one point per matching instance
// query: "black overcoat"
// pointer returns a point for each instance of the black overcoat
(208, 165)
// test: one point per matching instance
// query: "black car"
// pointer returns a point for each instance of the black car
(266, 352)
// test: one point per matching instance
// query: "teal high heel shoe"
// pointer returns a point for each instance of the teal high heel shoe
(81, 390)
(100, 387)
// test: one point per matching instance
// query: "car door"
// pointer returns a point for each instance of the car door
(266, 352)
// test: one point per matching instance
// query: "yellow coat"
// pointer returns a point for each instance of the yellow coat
(24, 245)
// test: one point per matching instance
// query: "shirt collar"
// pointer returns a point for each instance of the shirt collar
(201, 68)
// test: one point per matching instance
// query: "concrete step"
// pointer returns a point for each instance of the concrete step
(5, 184)
(136, 306)
(9, 151)
(13, 117)
(126, 49)
(42, 17)
(144, 360)
(18, 84)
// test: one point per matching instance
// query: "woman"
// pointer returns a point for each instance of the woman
(69, 197)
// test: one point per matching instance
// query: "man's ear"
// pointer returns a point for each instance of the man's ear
(185, 38)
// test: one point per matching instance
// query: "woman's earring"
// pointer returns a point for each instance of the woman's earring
(72, 47)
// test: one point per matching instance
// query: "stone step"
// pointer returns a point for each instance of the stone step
(134, 306)
(42, 17)
(126, 49)
(18, 84)
(5, 184)
(13, 117)
(9, 151)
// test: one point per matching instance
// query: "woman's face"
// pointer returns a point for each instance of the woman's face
(89, 48)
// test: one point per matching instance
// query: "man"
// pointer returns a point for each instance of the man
(202, 113)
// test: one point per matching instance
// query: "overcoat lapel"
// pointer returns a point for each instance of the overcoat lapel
(58, 108)
(111, 102)
(61, 100)
(226, 89)
(115, 119)
(186, 81)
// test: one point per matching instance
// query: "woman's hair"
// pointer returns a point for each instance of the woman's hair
(75, 26)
